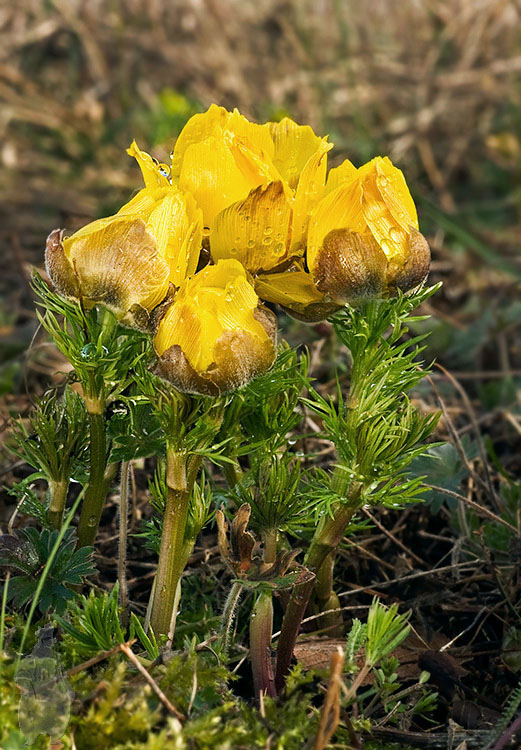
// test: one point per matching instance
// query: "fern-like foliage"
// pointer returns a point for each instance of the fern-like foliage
(93, 623)
(54, 437)
(376, 430)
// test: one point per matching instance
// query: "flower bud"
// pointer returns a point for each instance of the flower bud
(363, 238)
(116, 264)
(215, 336)
(127, 261)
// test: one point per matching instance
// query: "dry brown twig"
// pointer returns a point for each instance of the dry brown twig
(330, 714)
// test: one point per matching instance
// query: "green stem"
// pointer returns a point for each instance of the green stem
(232, 473)
(325, 599)
(326, 539)
(230, 606)
(261, 628)
(324, 581)
(172, 557)
(270, 545)
(58, 497)
(97, 487)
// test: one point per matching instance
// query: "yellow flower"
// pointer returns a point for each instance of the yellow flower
(268, 227)
(219, 157)
(127, 261)
(363, 237)
(215, 336)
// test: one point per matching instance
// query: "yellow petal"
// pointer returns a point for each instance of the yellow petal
(254, 231)
(255, 136)
(338, 175)
(253, 166)
(198, 128)
(387, 205)
(310, 190)
(144, 202)
(382, 225)
(287, 288)
(394, 191)
(211, 174)
(294, 146)
(295, 292)
(154, 174)
(176, 224)
(217, 121)
(342, 208)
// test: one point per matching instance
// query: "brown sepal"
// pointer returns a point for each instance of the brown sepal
(350, 267)
(416, 267)
(58, 267)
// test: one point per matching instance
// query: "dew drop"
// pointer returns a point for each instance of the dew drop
(251, 243)
(88, 353)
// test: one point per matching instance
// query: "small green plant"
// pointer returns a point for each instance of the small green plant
(93, 623)
(54, 442)
(28, 556)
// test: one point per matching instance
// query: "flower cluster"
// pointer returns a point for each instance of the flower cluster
(245, 214)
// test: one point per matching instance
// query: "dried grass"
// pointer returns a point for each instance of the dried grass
(432, 82)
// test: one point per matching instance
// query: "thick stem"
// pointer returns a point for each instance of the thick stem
(261, 628)
(270, 545)
(123, 534)
(58, 498)
(96, 492)
(328, 536)
(325, 598)
(171, 558)
(232, 473)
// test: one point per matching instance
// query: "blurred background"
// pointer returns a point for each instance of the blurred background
(436, 84)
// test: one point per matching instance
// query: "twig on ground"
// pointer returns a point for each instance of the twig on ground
(330, 714)
(150, 680)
